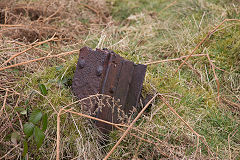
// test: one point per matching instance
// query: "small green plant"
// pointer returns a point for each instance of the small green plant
(32, 128)
(43, 89)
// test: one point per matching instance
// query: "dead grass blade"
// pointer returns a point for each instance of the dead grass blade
(39, 59)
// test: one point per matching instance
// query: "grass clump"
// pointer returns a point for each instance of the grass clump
(224, 49)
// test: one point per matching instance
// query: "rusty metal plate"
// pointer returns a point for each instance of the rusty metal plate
(105, 72)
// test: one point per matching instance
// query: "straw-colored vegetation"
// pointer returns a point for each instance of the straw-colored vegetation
(195, 116)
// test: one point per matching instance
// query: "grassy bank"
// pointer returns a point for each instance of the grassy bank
(144, 32)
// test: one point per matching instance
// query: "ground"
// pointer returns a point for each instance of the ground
(195, 116)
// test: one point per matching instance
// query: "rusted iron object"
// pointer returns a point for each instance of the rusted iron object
(105, 72)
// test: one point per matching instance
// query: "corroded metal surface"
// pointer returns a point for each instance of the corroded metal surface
(105, 72)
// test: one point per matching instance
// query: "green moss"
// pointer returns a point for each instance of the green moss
(225, 49)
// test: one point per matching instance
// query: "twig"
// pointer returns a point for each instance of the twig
(4, 103)
(129, 128)
(39, 59)
(96, 11)
(9, 89)
(89, 7)
(83, 99)
(56, 12)
(204, 39)
(24, 45)
(11, 25)
(58, 135)
(38, 44)
(10, 48)
(171, 4)
(9, 152)
(91, 117)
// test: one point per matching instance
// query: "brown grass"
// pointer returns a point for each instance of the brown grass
(41, 20)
